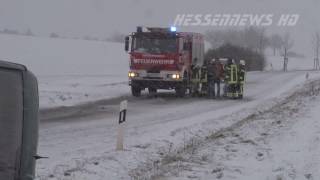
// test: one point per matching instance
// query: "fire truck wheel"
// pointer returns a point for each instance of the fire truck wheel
(181, 91)
(136, 91)
(152, 90)
(186, 77)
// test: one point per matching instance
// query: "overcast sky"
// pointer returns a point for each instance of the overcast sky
(103, 17)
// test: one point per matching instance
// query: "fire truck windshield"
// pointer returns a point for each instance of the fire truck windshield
(154, 45)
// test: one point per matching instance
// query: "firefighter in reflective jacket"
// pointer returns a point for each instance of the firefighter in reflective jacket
(231, 79)
(241, 75)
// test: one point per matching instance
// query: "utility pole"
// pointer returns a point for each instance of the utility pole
(316, 65)
(285, 60)
(287, 44)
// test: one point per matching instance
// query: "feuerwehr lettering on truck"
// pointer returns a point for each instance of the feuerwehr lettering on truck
(153, 61)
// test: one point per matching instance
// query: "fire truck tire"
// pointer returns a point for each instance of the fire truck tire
(181, 91)
(136, 91)
(186, 77)
(152, 90)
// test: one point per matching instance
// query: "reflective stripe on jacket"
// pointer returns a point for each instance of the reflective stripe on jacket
(231, 72)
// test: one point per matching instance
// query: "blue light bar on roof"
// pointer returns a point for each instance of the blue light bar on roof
(173, 29)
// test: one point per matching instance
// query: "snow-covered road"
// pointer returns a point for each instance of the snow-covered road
(84, 147)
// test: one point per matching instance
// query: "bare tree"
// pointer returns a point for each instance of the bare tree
(287, 44)
(263, 40)
(54, 35)
(11, 31)
(253, 38)
(316, 45)
(215, 38)
(29, 33)
(275, 42)
(116, 37)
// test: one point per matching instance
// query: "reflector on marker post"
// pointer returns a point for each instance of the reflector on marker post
(122, 120)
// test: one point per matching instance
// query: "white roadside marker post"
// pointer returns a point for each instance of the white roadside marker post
(122, 119)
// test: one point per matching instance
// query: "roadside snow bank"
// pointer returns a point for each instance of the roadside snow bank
(174, 159)
(282, 142)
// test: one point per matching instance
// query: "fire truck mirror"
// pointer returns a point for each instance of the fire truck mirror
(18, 122)
(126, 48)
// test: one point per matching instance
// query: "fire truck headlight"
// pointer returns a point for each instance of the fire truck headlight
(132, 74)
(175, 76)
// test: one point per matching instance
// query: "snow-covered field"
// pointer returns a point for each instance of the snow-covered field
(260, 137)
(70, 72)
(56, 91)
(275, 63)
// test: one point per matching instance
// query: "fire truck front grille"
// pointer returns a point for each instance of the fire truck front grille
(153, 71)
(152, 78)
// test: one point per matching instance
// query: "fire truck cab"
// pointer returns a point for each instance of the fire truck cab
(162, 58)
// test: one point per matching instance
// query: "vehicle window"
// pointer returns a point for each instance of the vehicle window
(11, 115)
(155, 46)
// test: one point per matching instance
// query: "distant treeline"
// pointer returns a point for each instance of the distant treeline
(28, 32)
(115, 37)
(255, 61)
(254, 38)
(249, 44)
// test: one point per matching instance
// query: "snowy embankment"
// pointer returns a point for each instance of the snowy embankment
(282, 142)
(70, 72)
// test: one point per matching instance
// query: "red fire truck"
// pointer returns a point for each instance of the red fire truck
(162, 58)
